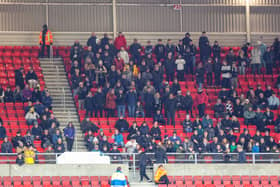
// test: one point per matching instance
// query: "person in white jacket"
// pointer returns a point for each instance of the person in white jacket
(124, 55)
(180, 67)
(256, 60)
(31, 116)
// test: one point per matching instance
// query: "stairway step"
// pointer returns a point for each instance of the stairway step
(64, 107)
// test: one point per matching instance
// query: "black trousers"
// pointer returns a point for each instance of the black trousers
(89, 112)
(110, 112)
(100, 110)
(209, 78)
(169, 76)
(180, 75)
(171, 118)
(226, 83)
(217, 78)
(201, 110)
(143, 173)
(42, 52)
(189, 111)
(69, 143)
(163, 180)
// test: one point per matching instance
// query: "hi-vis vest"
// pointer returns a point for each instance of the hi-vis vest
(48, 38)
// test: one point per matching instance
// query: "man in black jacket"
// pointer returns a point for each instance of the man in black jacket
(149, 102)
(169, 65)
(89, 104)
(160, 155)
(203, 45)
(216, 50)
(19, 80)
(157, 77)
(92, 42)
(219, 109)
(186, 40)
(99, 102)
(135, 50)
(131, 99)
(143, 160)
(31, 78)
(120, 101)
(160, 50)
(6, 146)
(82, 93)
(188, 103)
(122, 125)
(171, 109)
(155, 131)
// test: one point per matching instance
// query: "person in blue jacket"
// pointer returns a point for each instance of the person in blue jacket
(69, 133)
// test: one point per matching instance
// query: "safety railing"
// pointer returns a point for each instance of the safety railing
(190, 158)
(132, 159)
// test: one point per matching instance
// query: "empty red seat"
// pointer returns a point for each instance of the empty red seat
(217, 180)
(56, 180)
(84, 181)
(197, 180)
(207, 179)
(245, 180)
(65, 180)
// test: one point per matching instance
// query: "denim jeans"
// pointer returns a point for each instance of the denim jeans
(121, 110)
(131, 110)
(140, 114)
(30, 121)
(188, 129)
(194, 64)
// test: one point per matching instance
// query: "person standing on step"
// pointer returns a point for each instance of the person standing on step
(69, 133)
(143, 160)
(45, 40)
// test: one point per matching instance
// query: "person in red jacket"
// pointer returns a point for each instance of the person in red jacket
(201, 100)
(119, 62)
(111, 103)
(120, 41)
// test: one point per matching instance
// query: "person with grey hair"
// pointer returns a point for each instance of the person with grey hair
(256, 60)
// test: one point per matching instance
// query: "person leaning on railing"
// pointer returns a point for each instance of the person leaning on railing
(29, 155)
(20, 159)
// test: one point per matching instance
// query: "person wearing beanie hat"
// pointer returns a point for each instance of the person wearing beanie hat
(186, 40)
(118, 178)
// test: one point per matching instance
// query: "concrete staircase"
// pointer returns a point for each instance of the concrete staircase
(64, 107)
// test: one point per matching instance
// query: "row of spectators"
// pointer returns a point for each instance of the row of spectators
(204, 140)
(146, 81)
(43, 128)
(27, 89)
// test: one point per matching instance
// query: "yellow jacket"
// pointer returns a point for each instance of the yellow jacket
(159, 173)
(135, 71)
(29, 156)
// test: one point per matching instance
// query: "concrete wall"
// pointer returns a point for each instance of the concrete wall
(68, 38)
(221, 169)
(61, 170)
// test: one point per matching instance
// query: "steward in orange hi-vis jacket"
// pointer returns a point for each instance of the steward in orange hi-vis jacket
(45, 40)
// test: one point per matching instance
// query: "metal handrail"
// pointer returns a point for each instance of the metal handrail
(63, 92)
(132, 159)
